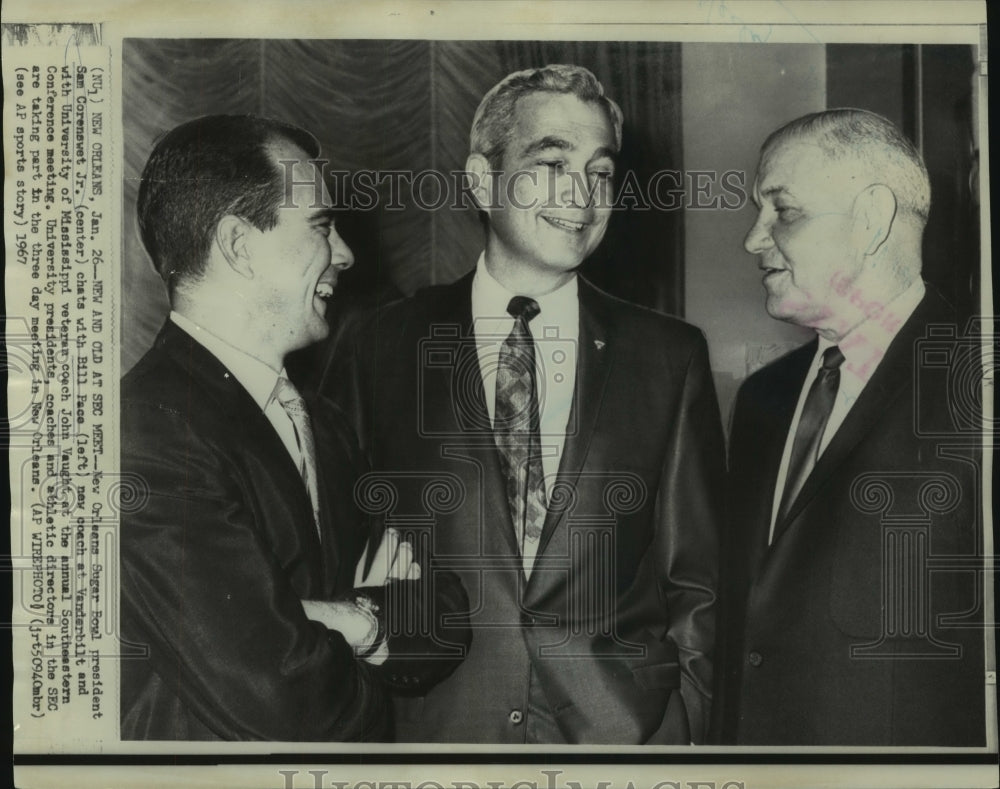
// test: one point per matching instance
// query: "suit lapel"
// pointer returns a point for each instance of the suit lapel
(216, 380)
(464, 401)
(219, 384)
(892, 377)
(595, 358)
(328, 464)
(447, 345)
(777, 404)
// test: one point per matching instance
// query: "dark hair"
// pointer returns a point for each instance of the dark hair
(203, 170)
(494, 118)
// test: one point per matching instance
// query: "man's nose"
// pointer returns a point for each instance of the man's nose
(342, 257)
(758, 239)
(574, 190)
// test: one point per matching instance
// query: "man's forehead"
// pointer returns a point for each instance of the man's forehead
(303, 177)
(802, 166)
(544, 115)
(791, 157)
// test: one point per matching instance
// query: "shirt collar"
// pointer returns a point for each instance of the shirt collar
(865, 345)
(490, 299)
(256, 377)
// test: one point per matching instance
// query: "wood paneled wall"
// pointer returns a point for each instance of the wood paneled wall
(383, 105)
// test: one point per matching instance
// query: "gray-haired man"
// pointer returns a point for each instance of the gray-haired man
(584, 435)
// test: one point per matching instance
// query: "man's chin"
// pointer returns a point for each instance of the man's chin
(567, 258)
(564, 264)
(778, 309)
(321, 332)
(318, 330)
(793, 317)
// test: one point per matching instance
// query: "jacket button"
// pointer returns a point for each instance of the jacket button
(516, 716)
(755, 659)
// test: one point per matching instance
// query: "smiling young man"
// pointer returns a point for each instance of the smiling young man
(835, 630)
(243, 584)
(581, 436)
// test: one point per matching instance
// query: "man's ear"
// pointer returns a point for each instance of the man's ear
(874, 213)
(477, 170)
(232, 239)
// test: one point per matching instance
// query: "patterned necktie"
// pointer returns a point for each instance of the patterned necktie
(290, 399)
(515, 424)
(812, 424)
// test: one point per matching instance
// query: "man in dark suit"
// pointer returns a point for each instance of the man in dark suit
(578, 439)
(851, 614)
(246, 596)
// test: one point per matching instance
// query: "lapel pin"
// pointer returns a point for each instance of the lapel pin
(599, 344)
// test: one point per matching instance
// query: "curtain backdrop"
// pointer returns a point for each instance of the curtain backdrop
(383, 105)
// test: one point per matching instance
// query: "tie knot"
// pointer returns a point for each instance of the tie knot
(286, 393)
(523, 307)
(833, 357)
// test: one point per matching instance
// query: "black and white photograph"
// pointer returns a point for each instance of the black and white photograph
(595, 397)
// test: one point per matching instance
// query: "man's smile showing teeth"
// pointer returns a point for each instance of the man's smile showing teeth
(324, 290)
(563, 224)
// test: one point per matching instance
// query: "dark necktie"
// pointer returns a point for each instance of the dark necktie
(515, 424)
(815, 414)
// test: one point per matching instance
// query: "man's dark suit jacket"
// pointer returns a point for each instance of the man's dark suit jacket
(617, 620)
(219, 546)
(831, 580)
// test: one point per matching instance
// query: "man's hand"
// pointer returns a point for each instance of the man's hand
(358, 627)
(393, 562)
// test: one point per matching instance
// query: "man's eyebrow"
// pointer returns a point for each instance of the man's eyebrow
(548, 142)
(773, 190)
(323, 214)
(605, 153)
(558, 143)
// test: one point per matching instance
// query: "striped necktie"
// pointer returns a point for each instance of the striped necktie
(290, 399)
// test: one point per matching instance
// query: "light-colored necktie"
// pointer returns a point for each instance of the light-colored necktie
(290, 399)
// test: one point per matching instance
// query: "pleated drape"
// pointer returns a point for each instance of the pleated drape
(382, 105)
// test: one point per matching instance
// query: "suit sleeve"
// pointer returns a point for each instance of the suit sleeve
(688, 515)
(427, 630)
(427, 620)
(224, 627)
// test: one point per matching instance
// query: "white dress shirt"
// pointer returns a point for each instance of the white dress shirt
(253, 375)
(863, 348)
(555, 331)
